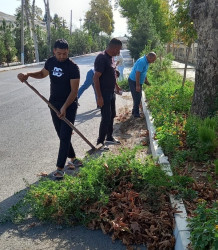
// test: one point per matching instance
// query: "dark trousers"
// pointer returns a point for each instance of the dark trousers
(64, 132)
(108, 112)
(136, 96)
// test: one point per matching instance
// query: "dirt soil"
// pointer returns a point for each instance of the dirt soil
(128, 130)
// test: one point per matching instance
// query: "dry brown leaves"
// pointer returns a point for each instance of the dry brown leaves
(127, 218)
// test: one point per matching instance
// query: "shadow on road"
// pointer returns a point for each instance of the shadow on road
(88, 115)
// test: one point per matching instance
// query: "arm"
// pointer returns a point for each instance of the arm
(137, 77)
(74, 84)
(38, 75)
(118, 90)
(96, 77)
(146, 81)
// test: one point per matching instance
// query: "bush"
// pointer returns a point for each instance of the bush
(204, 227)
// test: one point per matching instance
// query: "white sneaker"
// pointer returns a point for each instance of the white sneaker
(103, 147)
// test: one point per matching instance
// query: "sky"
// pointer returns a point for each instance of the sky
(63, 9)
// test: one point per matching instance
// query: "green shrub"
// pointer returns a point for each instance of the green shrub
(124, 85)
(65, 201)
(204, 227)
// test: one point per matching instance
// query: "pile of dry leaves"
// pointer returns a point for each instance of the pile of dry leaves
(130, 217)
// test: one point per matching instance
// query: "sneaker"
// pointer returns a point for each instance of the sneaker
(113, 141)
(75, 163)
(103, 147)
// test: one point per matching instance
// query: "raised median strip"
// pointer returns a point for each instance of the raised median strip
(181, 230)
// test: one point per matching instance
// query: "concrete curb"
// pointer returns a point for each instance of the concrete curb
(181, 230)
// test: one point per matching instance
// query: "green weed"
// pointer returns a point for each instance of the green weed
(204, 227)
(65, 201)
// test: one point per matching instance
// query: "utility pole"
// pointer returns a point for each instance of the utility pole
(71, 22)
(22, 32)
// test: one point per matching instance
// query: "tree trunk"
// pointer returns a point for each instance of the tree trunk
(34, 32)
(186, 64)
(26, 8)
(48, 26)
(205, 16)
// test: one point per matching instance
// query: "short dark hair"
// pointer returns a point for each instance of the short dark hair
(114, 42)
(61, 44)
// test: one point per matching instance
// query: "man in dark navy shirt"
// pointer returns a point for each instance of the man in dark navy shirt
(105, 83)
(64, 77)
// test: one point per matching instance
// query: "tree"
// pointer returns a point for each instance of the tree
(185, 28)
(148, 20)
(205, 99)
(28, 42)
(143, 31)
(8, 42)
(48, 26)
(33, 14)
(99, 18)
(3, 52)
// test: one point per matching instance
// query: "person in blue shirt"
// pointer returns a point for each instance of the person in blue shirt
(137, 77)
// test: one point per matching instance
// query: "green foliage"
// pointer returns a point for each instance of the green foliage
(175, 128)
(99, 18)
(8, 42)
(142, 31)
(204, 227)
(3, 52)
(124, 84)
(147, 20)
(183, 22)
(65, 201)
(201, 137)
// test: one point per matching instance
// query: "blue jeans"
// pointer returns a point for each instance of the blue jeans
(108, 112)
(88, 82)
(64, 132)
(136, 96)
(120, 69)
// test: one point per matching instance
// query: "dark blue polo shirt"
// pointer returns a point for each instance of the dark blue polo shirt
(104, 64)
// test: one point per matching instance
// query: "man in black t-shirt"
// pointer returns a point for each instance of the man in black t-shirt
(64, 77)
(105, 83)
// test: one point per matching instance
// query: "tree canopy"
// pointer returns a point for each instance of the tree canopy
(100, 17)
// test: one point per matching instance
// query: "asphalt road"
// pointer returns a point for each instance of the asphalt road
(29, 145)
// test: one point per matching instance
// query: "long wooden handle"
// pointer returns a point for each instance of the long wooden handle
(64, 118)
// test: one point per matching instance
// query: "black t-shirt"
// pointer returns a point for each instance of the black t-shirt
(60, 75)
(104, 64)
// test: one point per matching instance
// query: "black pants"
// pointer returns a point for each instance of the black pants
(64, 132)
(108, 112)
(136, 96)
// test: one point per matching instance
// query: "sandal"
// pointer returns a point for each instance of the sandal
(73, 164)
(59, 174)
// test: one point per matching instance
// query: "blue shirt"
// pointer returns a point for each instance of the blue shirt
(140, 65)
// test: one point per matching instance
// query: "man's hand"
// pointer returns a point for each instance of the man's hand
(100, 101)
(62, 113)
(22, 77)
(138, 88)
(118, 90)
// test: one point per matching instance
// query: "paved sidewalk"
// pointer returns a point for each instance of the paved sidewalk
(179, 67)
